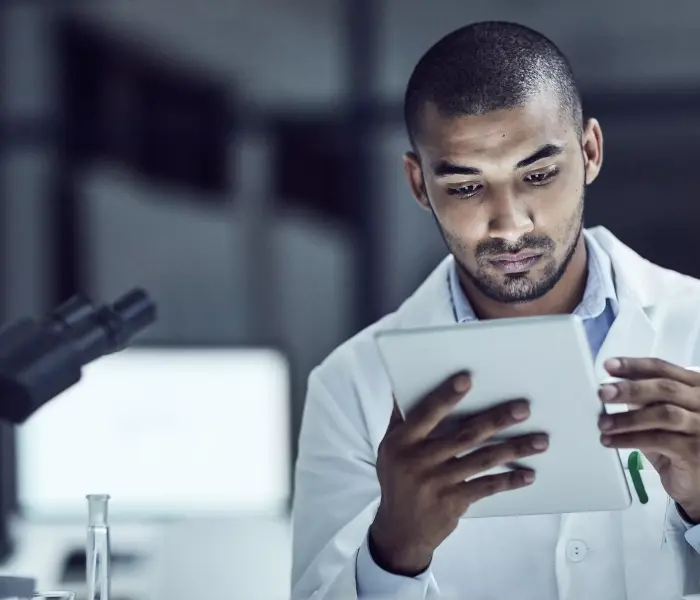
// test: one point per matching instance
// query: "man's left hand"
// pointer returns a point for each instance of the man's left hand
(663, 423)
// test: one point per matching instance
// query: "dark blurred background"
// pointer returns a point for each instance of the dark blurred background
(242, 161)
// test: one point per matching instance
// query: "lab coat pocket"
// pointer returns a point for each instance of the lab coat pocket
(649, 568)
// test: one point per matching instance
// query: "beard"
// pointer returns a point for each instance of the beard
(518, 287)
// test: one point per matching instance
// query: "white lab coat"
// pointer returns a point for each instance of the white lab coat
(637, 554)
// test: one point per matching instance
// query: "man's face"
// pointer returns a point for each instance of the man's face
(506, 190)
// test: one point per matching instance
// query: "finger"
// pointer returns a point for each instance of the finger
(675, 446)
(484, 459)
(647, 368)
(663, 416)
(489, 485)
(436, 406)
(647, 391)
(478, 429)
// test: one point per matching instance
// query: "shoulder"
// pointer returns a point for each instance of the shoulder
(356, 359)
(653, 284)
(669, 298)
(666, 286)
(351, 385)
(349, 393)
(676, 316)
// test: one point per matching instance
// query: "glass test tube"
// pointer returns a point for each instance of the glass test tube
(98, 548)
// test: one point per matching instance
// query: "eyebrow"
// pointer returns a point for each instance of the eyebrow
(546, 151)
(445, 168)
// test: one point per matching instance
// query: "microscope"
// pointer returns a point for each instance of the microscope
(41, 359)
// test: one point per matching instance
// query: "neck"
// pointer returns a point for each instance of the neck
(563, 298)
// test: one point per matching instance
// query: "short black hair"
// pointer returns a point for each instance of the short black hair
(489, 66)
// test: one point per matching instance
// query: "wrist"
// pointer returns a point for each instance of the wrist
(690, 513)
(395, 555)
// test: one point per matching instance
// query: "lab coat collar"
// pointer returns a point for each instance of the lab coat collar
(632, 333)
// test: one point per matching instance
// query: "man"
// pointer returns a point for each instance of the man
(501, 158)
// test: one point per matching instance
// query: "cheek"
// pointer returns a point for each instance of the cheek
(462, 232)
(554, 206)
(462, 218)
(459, 218)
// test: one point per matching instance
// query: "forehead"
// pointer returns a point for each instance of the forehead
(497, 135)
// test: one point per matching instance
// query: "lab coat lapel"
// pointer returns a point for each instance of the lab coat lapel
(633, 333)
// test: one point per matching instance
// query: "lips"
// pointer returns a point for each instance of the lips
(524, 255)
(516, 263)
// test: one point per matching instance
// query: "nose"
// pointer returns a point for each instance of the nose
(510, 219)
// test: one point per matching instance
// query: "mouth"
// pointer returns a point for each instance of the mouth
(516, 263)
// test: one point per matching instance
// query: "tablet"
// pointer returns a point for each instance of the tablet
(545, 360)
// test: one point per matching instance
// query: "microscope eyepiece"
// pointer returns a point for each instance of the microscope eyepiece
(40, 360)
(135, 311)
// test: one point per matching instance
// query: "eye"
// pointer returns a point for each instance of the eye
(465, 191)
(541, 178)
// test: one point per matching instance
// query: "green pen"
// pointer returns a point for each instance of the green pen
(635, 465)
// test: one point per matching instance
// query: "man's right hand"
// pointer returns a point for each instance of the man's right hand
(422, 476)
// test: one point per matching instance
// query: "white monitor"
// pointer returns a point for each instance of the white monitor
(165, 432)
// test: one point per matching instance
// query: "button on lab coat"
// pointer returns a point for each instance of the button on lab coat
(644, 553)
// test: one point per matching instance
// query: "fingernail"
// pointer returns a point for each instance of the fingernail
(461, 383)
(540, 443)
(528, 477)
(613, 363)
(520, 412)
(608, 392)
(605, 440)
(605, 423)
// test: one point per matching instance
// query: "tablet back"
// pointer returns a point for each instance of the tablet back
(545, 360)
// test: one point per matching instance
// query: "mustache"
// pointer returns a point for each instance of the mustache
(500, 246)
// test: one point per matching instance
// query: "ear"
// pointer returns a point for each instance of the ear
(414, 174)
(592, 145)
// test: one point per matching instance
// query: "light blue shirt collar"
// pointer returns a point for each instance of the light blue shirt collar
(599, 291)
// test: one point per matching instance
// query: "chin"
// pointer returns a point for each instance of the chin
(517, 288)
